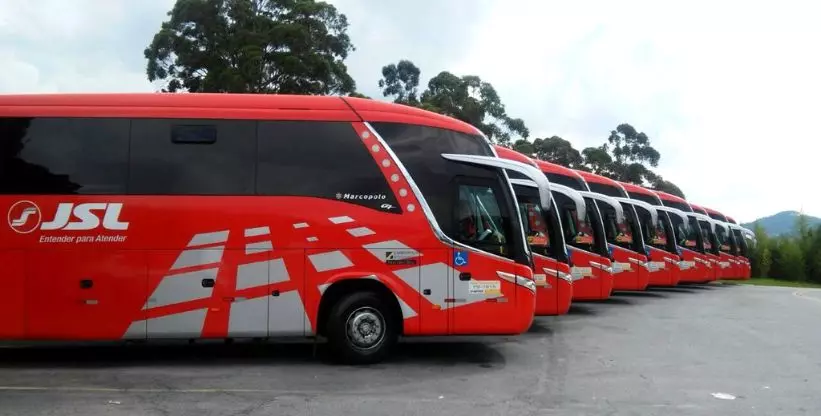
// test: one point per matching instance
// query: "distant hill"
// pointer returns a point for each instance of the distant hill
(782, 223)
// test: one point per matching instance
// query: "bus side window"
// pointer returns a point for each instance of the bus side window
(192, 157)
(320, 159)
(61, 156)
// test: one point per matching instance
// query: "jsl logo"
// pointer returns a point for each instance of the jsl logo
(25, 217)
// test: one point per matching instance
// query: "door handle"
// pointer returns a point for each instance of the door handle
(207, 282)
(464, 276)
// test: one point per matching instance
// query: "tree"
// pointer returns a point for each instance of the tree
(401, 81)
(525, 147)
(658, 183)
(557, 150)
(598, 160)
(252, 46)
(475, 102)
(630, 146)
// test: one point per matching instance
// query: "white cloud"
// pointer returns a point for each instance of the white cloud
(727, 91)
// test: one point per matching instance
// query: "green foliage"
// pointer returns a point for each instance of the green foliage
(465, 98)
(401, 81)
(793, 257)
(557, 150)
(252, 46)
(524, 147)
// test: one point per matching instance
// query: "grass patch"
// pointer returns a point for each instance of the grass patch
(766, 281)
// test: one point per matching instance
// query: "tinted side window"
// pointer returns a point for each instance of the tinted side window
(567, 181)
(605, 189)
(320, 159)
(63, 156)
(643, 197)
(192, 157)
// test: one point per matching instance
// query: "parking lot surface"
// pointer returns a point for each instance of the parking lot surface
(697, 350)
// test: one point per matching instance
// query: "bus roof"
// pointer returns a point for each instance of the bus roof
(511, 154)
(730, 219)
(699, 209)
(631, 187)
(219, 106)
(592, 177)
(670, 197)
(558, 169)
(714, 212)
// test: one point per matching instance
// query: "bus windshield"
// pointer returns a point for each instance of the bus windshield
(617, 233)
(535, 224)
(705, 235)
(685, 235)
(654, 234)
(723, 239)
(577, 233)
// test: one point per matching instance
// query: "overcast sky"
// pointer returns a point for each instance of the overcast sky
(728, 92)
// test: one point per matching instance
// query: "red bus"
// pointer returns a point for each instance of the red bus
(695, 266)
(742, 235)
(712, 245)
(729, 246)
(186, 216)
(551, 264)
(589, 254)
(659, 236)
(630, 269)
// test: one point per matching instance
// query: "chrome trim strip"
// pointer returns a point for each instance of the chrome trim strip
(519, 280)
(525, 182)
(609, 201)
(561, 275)
(575, 196)
(602, 267)
(654, 214)
(426, 208)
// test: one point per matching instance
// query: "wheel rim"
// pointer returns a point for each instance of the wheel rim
(365, 328)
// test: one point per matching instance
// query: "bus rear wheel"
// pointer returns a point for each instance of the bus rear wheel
(361, 328)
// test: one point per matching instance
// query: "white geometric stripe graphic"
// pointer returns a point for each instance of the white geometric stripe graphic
(340, 220)
(407, 311)
(208, 238)
(312, 239)
(253, 232)
(198, 257)
(261, 273)
(258, 247)
(182, 287)
(301, 225)
(331, 260)
(380, 250)
(360, 231)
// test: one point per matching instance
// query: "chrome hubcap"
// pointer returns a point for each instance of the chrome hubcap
(365, 327)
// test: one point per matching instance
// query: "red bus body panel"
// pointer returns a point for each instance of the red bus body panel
(665, 271)
(590, 282)
(553, 294)
(268, 258)
(627, 274)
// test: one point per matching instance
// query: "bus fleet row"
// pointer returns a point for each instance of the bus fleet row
(142, 217)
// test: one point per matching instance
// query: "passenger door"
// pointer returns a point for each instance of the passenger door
(483, 294)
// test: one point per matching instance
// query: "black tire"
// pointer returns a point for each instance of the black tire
(368, 308)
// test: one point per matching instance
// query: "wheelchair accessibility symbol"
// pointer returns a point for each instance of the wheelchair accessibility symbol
(460, 258)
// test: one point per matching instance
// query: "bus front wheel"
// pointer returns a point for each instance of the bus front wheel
(361, 328)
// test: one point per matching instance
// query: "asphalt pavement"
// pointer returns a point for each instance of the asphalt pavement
(698, 350)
